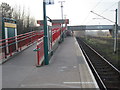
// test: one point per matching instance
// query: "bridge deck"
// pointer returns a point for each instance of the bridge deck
(67, 69)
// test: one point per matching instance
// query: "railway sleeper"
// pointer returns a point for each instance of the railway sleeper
(104, 70)
(99, 63)
(109, 78)
(112, 76)
(107, 72)
(111, 84)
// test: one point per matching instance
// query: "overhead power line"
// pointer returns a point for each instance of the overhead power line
(102, 17)
(92, 10)
(109, 7)
(96, 5)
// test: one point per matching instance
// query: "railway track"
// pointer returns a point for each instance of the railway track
(107, 76)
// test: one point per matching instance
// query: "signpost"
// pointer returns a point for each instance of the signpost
(46, 2)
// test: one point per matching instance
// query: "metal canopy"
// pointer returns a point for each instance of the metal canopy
(92, 27)
(60, 21)
(54, 21)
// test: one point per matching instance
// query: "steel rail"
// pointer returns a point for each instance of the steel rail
(97, 76)
(93, 67)
(103, 58)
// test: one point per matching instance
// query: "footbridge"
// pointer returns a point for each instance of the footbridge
(92, 27)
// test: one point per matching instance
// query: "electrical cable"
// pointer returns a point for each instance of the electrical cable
(96, 5)
(86, 18)
(109, 8)
(102, 17)
(92, 10)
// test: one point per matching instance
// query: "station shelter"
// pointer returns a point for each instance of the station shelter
(9, 33)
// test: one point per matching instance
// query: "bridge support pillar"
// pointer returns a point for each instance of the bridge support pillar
(111, 32)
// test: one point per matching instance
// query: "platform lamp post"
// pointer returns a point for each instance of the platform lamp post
(62, 33)
(46, 2)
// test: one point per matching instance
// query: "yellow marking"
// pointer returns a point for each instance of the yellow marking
(11, 25)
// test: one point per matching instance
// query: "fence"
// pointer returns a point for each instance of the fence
(15, 44)
(40, 44)
(40, 51)
(12, 45)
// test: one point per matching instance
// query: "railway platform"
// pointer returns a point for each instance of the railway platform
(67, 69)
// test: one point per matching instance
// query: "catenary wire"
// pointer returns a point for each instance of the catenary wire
(92, 10)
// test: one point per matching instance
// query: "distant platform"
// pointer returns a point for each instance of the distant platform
(67, 69)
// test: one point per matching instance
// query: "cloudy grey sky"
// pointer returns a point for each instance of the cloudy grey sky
(78, 11)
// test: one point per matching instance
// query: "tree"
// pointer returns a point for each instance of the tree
(7, 10)
(18, 15)
(25, 22)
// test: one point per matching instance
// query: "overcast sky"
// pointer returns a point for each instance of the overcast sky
(78, 11)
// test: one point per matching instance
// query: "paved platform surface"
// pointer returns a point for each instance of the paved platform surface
(67, 69)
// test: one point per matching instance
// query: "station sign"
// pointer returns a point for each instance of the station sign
(10, 25)
(49, 2)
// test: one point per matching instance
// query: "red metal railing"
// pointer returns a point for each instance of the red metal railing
(40, 51)
(40, 44)
(55, 33)
(15, 44)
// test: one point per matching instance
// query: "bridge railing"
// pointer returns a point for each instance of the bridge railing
(10, 46)
(56, 33)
